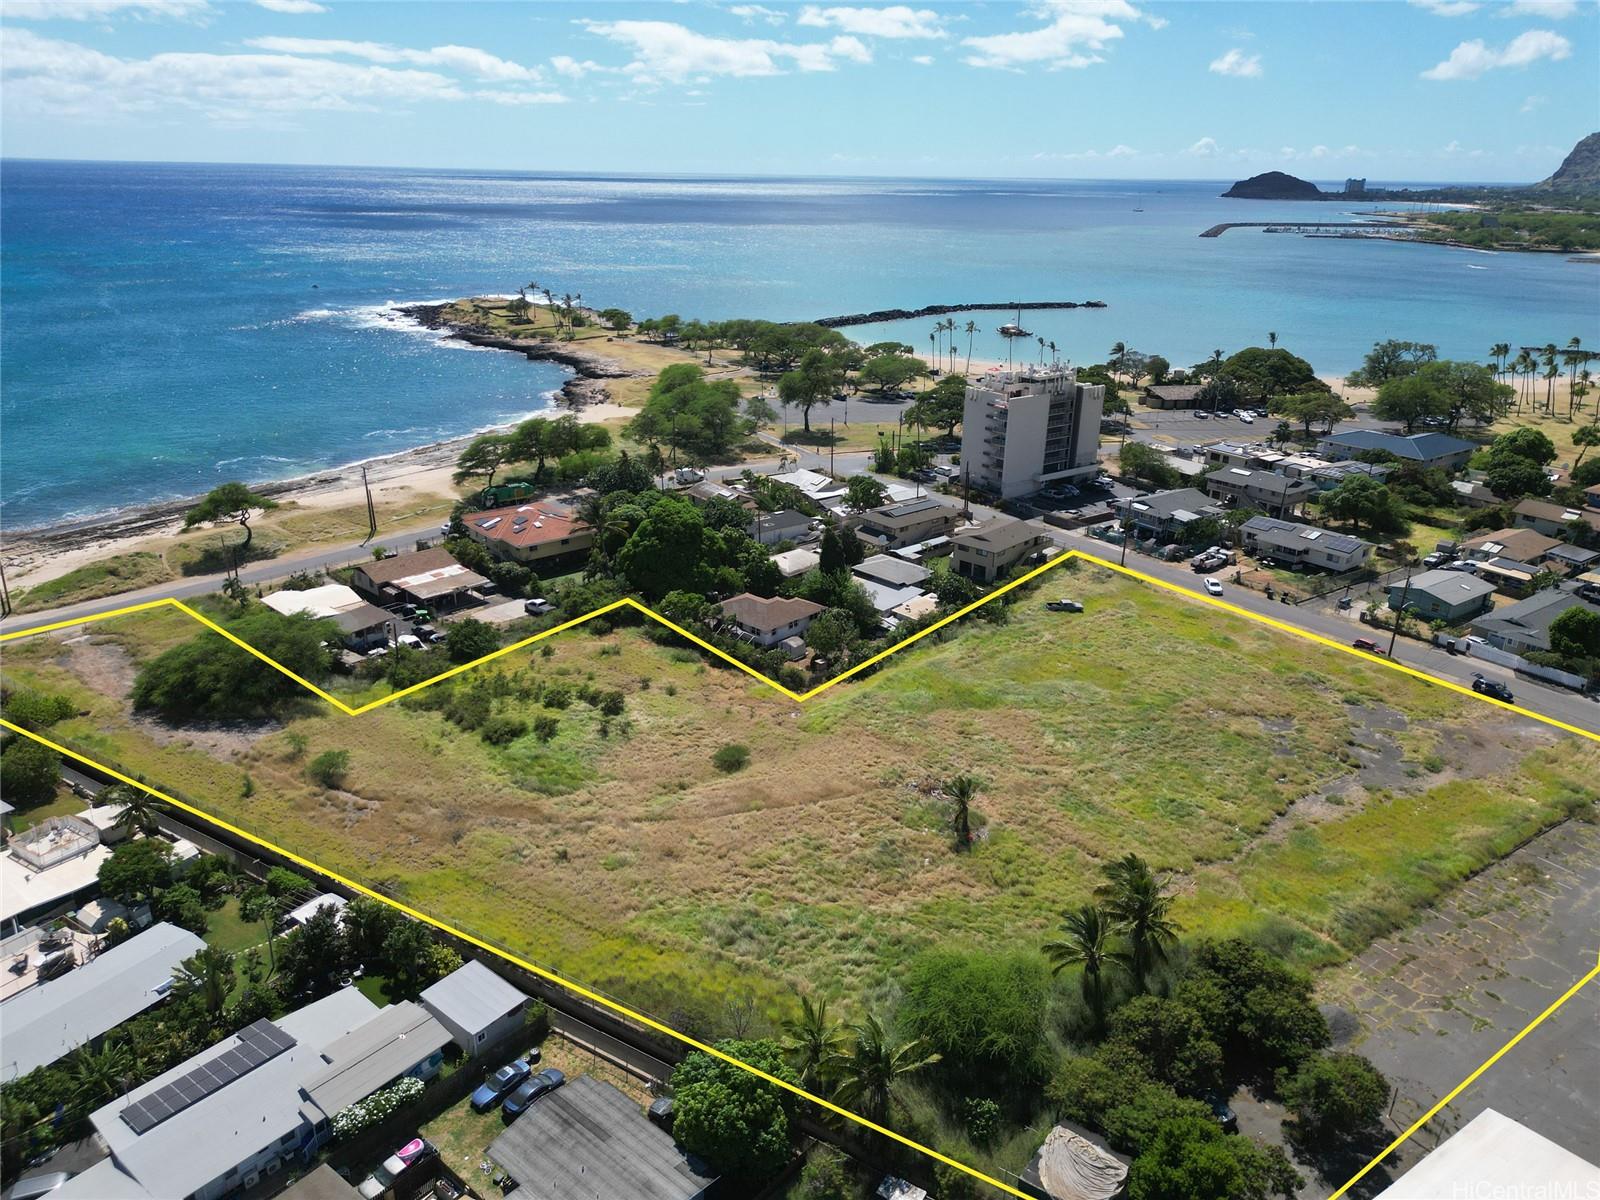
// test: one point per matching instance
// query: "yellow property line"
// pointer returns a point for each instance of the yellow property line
(799, 697)
(802, 697)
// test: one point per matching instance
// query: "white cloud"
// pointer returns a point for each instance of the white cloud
(503, 97)
(1448, 8)
(1534, 102)
(572, 68)
(96, 10)
(1117, 151)
(755, 12)
(294, 7)
(467, 59)
(664, 51)
(1076, 33)
(897, 21)
(1471, 59)
(1237, 63)
(1539, 10)
(65, 78)
(1205, 148)
(923, 60)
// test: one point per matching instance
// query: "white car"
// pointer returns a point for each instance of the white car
(1247, 418)
(409, 641)
(1213, 587)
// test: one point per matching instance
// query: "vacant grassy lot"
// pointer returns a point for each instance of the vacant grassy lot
(1287, 786)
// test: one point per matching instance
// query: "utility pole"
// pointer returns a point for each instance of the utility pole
(1405, 591)
(830, 445)
(372, 515)
(5, 592)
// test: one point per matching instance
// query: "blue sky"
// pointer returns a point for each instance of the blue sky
(1428, 90)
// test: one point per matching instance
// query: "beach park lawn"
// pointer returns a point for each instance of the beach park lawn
(1292, 790)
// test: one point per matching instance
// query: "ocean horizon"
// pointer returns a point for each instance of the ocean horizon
(168, 326)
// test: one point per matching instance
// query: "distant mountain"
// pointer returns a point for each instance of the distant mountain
(1579, 171)
(1274, 185)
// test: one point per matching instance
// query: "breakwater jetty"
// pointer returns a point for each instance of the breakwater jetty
(1300, 226)
(940, 310)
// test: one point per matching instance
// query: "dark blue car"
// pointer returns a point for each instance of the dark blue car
(547, 1080)
(498, 1084)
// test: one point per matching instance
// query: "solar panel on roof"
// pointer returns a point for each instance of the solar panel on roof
(258, 1043)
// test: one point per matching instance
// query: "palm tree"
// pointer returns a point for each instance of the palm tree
(1052, 351)
(1087, 944)
(811, 1042)
(102, 1075)
(1135, 902)
(209, 974)
(140, 809)
(1575, 357)
(962, 790)
(1523, 366)
(1118, 355)
(933, 353)
(1041, 351)
(870, 1069)
(1498, 352)
(972, 328)
(1583, 438)
(1272, 339)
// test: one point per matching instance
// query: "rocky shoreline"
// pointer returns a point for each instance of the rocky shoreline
(940, 310)
(589, 370)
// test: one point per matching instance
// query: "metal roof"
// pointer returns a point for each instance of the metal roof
(375, 1054)
(54, 1018)
(588, 1139)
(473, 997)
(1310, 533)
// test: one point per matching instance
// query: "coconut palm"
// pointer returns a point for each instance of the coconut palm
(1087, 943)
(812, 1042)
(1583, 438)
(962, 790)
(870, 1070)
(140, 809)
(1118, 356)
(1135, 902)
(102, 1075)
(1575, 358)
(972, 328)
(1272, 339)
(1498, 352)
(1052, 351)
(208, 974)
(1041, 351)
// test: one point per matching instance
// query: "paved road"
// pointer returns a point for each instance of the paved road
(1554, 702)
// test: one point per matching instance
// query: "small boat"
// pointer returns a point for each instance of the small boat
(1014, 329)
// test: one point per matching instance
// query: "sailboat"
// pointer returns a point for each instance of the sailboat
(1014, 329)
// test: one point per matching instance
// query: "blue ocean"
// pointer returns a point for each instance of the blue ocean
(164, 327)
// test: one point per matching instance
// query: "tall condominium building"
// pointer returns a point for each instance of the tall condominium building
(1024, 429)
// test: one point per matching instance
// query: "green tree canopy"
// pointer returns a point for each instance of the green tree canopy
(690, 413)
(1173, 1040)
(469, 639)
(669, 552)
(29, 773)
(231, 501)
(1336, 1096)
(1391, 360)
(1271, 372)
(1576, 633)
(736, 1121)
(137, 870)
(1148, 465)
(1368, 505)
(1525, 441)
(890, 371)
(983, 1013)
(1192, 1159)
(212, 677)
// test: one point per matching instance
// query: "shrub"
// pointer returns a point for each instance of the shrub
(283, 882)
(330, 768)
(732, 757)
(982, 1117)
(983, 1013)
(502, 730)
(209, 676)
(730, 1117)
(1336, 1096)
(36, 710)
(29, 773)
(379, 1106)
(545, 726)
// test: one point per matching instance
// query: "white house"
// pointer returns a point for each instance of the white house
(478, 1007)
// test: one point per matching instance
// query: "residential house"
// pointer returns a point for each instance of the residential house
(707, 490)
(479, 1008)
(816, 486)
(886, 597)
(895, 525)
(431, 578)
(797, 561)
(1508, 575)
(1424, 449)
(1027, 428)
(588, 1139)
(48, 869)
(296, 917)
(1449, 596)
(256, 1102)
(1473, 495)
(1165, 516)
(534, 533)
(50, 1020)
(1553, 519)
(1525, 625)
(1230, 454)
(1567, 559)
(1171, 395)
(1328, 476)
(766, 621)
(1290, 542)
(1244, 487)
(785, 526)
(1591, 496)
(1523, 545)
(363, 625)
(892, 570)
(987, 551)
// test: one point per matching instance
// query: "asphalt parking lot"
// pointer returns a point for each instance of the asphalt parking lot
(1180, 427)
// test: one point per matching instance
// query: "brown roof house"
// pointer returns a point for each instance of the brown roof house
(769, 621)
(984, 552)
(530, 533)
(430, 577)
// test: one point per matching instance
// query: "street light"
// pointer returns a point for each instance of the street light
(1399, 612)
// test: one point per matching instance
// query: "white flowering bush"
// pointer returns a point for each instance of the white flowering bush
(379, 1106)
